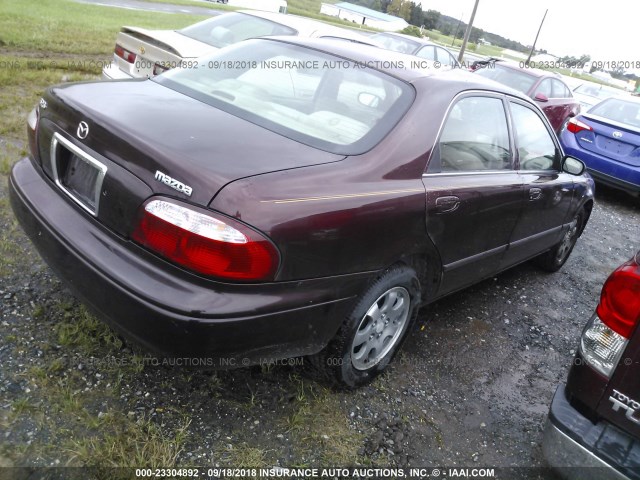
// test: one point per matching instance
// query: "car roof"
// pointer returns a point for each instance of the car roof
(306, 26)
(404, 35)
(535, 72)
(388, 61)
(624, 98)
(421, 41)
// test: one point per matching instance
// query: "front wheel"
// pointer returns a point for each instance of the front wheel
(371, 335)
(555, 258)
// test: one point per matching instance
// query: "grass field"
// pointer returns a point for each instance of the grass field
(42, 44)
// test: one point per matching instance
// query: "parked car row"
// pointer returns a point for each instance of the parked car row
(545, 88)
(275, 212)
(284, 211)
(142, 53)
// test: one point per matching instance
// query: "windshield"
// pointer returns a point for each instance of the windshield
(231, 28)
(397, 44)
(597, 91)
(620, 111)
(306, 95)
(510, 77)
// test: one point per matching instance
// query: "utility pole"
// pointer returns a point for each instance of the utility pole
(457, 28)
(536, 40)
(468, 32)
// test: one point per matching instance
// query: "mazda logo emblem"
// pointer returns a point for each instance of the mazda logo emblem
(617, 134)
(83, 130)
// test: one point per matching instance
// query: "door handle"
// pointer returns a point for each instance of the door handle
(535, 193)
(447, 204)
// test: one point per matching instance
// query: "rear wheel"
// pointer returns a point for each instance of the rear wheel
(371, 335)
(555, 258)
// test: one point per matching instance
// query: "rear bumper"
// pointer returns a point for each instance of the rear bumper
(578, 449)
(614, 182)
(113, 72)
(603, 169)
(166, 309)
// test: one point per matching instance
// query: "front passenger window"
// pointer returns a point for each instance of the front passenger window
(536, 149)
(475, 136)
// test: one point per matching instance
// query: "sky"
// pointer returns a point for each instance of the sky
(606, 30)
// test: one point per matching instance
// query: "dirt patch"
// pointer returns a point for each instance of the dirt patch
(471, 387)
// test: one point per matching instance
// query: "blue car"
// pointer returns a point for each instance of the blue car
(607, 140)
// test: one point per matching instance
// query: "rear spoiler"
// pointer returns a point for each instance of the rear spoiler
(146, 36)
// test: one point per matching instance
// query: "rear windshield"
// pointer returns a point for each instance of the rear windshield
(309, 96)
(510, 77)
(397, 44)
(619, 111)
(231, 28)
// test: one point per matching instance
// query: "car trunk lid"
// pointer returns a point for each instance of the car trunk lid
(617, 141)
(171, 144)
(156, 50)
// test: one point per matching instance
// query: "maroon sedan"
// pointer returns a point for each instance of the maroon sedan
(550, 93)
(291, 197)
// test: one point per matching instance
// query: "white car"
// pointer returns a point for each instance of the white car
(142, 53)
(590, 93)
(418, 47)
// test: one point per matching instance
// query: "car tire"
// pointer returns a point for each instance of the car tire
(554, 259)
(371, 335)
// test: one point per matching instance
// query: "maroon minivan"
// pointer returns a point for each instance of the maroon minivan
(593, 430)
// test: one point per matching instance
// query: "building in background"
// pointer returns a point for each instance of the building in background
(364, 16)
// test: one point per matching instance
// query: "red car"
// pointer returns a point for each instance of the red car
(550, 93)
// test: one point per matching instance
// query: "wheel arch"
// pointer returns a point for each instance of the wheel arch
(588, 208)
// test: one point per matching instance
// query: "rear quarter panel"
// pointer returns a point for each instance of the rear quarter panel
(363, 213)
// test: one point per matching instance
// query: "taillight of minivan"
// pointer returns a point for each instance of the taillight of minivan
(606, 335)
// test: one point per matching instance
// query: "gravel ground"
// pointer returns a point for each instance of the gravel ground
(470, 388)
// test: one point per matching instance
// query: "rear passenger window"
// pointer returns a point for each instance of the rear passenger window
(444, 57)
(536, 149)
(475, 136)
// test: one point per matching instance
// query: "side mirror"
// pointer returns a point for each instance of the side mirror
(541, 97)
(573, 166)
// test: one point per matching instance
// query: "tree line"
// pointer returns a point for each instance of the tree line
(413, 13)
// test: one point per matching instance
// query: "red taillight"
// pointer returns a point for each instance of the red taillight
(126, 55)
(207, 243)
(619, 306)
(575, 126)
